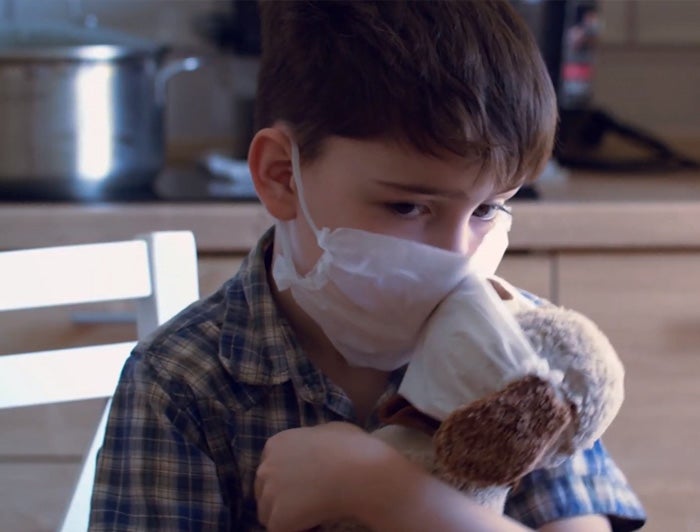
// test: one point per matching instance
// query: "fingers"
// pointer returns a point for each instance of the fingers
(296, 483)
(264, 503)
(270, 498)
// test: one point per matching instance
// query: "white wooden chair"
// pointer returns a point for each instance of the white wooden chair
(158, 270)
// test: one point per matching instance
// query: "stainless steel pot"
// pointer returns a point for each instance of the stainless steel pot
(81, 110)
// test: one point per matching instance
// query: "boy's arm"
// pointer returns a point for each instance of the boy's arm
(153, 472)
(421, 502)
(330, 472)
(336, 471)
(584, 523)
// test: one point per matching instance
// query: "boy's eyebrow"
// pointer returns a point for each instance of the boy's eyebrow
(424, 190)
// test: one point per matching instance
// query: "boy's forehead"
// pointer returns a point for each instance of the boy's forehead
(389, 153)
(401, 165)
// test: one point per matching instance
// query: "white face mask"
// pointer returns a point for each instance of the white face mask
(488, 256)
(370, 293)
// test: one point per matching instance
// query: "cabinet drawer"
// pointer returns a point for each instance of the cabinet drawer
(214, 270)
(76, 325)
(649, 305)
(531, 272)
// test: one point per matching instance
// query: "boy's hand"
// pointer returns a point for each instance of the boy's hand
(337, 471)
(313, 475)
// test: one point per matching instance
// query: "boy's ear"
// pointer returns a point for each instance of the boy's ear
(270, 162)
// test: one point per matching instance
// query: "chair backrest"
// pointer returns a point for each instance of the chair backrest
(158, 270)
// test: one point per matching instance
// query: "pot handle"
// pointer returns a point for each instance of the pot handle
(173, 68)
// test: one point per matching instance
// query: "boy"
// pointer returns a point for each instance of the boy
(391, 136)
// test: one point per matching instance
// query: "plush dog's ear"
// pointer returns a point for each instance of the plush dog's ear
(593, 374)
(498, 439)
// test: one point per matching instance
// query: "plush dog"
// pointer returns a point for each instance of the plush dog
(514, 413)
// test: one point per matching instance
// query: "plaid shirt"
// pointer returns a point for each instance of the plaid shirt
(197, 401)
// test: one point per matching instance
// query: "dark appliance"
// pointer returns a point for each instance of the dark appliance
(567, 32)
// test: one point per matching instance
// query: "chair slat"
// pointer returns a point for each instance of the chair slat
(158, 270)
(61, 375)
(74, 274)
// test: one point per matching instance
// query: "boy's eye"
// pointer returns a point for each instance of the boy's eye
(408, 210)
(488, 211)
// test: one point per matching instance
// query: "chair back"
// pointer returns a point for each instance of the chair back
(157, 270)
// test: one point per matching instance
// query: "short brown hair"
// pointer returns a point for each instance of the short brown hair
(449, 76)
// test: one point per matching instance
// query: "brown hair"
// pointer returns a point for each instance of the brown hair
(452, 76)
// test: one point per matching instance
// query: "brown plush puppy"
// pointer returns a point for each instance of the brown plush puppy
(488, 444)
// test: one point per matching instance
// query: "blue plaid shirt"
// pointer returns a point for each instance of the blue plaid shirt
(197, 401)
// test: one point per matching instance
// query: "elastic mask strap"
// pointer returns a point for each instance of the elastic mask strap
(296, 174)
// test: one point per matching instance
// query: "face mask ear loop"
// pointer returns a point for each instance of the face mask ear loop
(296, 174)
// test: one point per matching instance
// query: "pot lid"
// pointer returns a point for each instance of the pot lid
(64, 41)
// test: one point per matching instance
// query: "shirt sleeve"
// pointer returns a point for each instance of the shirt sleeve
(587, 483)
(157, 469)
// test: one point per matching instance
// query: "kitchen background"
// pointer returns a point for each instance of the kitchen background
(590, 244)
(647, 69)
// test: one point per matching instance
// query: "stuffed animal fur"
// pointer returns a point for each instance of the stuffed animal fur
(486, 445)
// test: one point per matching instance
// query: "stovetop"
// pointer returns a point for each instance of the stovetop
(175, 184)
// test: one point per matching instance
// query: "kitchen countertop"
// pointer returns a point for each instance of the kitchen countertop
(578, 211)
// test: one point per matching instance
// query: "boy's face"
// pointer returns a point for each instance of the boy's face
(385, 188)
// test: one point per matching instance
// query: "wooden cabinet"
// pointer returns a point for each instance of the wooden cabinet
(649, 305)
(75, 325)
(530, 271)
(42, 447)
(214, 270)
(37, 329)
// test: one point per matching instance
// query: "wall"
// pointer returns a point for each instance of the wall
(648, 71)
(649, 65)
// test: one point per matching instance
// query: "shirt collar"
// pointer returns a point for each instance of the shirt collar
(255, 337)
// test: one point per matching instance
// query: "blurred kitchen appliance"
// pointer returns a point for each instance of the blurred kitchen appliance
(234, 28)
(567, 32)
(82, 110)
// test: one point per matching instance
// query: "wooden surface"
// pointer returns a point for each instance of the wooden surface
(532, 272)
(624, 250)
(42, 447)
(78, 325)
(649, 305)
(609, 211)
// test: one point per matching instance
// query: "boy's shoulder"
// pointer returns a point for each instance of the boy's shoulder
(231, 340)
(180, 353)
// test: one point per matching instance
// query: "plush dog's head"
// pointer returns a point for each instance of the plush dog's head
(535, 422)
